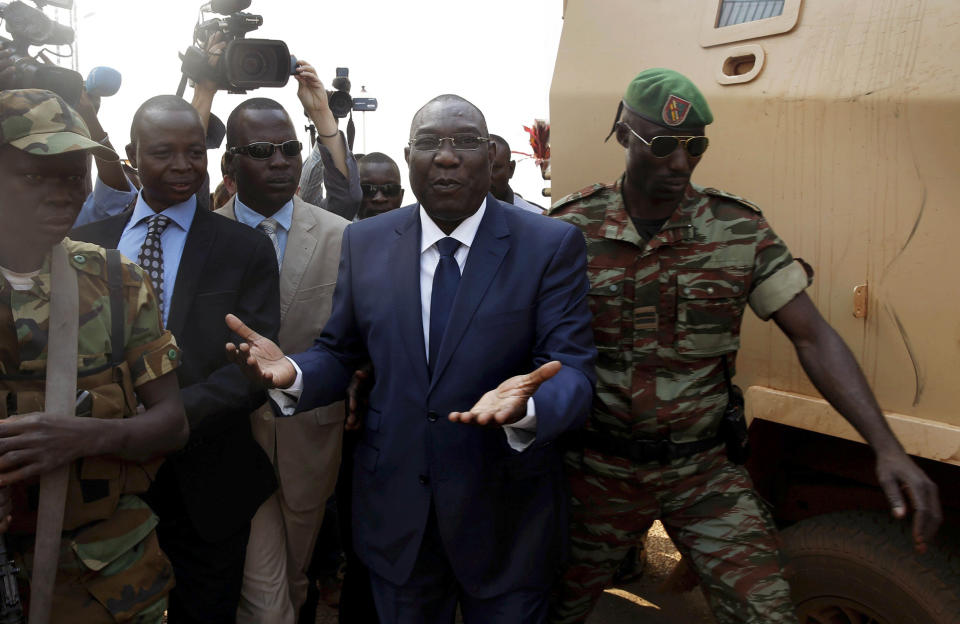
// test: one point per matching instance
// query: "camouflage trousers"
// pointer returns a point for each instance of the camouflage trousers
(95, 584)
(711, 513)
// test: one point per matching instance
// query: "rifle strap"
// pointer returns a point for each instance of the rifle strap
(115, 286)
(60, 399)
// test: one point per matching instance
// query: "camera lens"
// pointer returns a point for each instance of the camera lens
(253, 64)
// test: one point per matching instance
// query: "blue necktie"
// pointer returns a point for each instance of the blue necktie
(445, 282)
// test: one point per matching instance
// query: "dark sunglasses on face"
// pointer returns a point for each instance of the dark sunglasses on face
(388, 190)
(262, 150)
(664, 145)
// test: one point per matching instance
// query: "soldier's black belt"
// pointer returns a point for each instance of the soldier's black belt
(643, 451)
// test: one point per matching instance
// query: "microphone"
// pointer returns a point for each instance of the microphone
(103, 82)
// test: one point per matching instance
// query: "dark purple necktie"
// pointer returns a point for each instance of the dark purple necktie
(445, 282)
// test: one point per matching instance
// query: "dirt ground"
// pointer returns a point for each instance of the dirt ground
(638, 601)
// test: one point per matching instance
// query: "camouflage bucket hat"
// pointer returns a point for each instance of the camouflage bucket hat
(42, 123)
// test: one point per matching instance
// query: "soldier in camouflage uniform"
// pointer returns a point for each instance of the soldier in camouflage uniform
(672, 267)
(111, 568)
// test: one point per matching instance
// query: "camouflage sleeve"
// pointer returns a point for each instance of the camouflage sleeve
(777, 276)
(150, 350)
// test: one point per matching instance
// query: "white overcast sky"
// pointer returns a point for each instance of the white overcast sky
(497, 53)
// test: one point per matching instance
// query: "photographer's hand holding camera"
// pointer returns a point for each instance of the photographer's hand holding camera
(205, 89)
(330, 162)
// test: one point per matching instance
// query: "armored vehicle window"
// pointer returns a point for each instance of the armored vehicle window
(742, 11)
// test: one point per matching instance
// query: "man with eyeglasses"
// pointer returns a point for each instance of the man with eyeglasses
(264, 159)
(201, 266)
(457, 486)
(380, 183)
(672, 266)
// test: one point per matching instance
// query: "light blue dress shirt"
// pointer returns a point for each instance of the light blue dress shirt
(250, 217)
(172, 240)
(104, 202)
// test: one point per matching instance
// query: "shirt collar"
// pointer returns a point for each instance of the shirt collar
(182, 214)
(465, 232)
(249, 216)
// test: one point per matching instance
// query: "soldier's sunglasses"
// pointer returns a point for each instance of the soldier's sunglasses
(388, 190)
(664, 145)
(261, 150)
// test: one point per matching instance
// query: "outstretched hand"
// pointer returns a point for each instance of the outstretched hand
(260, 359)
(508, 402)
(898, 473)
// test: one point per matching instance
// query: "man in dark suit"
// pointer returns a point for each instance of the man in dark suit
(202, 266)
(452, 503)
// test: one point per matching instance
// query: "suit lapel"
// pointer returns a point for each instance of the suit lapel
(200, 240)
(301, 247)
(405, 282)
(486, 254)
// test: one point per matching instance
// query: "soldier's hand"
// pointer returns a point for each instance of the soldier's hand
(507, 403)
(34, 444)
(6, 508)
(260, 359)
(358, 397)
(897, 474)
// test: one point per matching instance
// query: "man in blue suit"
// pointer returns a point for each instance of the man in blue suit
(458, 484)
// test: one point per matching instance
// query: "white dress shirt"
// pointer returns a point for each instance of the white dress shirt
(520, 434)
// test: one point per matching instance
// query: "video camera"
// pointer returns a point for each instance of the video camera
(246, 63)
(340, 100)
(31, 27)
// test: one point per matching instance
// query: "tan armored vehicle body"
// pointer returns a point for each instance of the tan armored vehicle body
(841, 121)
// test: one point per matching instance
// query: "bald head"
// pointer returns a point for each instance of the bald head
(447, 101)
(160, 105)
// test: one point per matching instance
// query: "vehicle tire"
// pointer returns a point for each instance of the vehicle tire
(861, 568)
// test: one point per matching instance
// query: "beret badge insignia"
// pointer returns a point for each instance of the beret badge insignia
(675, 110)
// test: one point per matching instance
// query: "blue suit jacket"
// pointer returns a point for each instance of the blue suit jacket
(521, 302)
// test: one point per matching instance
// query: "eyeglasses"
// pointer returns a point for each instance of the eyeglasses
(664, 145)
(461, 142)
(261, 150)
(388, 190)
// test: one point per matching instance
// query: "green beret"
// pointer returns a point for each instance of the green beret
(42, 123)
(667, 98)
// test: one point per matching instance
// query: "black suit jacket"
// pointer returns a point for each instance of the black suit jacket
(222, 476)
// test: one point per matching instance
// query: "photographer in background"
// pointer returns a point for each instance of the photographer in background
(112, 191)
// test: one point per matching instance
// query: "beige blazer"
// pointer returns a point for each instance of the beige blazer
(307, 278)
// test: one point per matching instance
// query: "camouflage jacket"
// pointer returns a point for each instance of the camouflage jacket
(108, 529)
(666, 312)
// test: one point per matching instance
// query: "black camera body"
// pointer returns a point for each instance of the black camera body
(31, 27)
(246, 63)
(340, 100)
